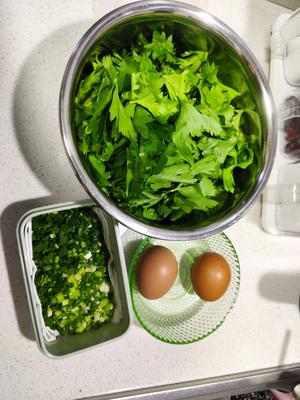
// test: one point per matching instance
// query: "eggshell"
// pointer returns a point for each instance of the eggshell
(210, 276)
(156, 272)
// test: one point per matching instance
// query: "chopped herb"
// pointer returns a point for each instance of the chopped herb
(72, 279)
(167, 131)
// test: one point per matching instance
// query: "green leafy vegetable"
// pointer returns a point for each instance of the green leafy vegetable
(117, 111)
(72, 278)
(167, 131)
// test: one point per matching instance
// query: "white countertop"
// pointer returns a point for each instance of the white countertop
(261, 331)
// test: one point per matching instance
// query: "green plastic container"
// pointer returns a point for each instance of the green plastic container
(70, 344)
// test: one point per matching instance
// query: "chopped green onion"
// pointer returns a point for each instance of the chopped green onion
(72, 279)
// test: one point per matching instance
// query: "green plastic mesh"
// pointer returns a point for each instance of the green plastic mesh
(180, 316)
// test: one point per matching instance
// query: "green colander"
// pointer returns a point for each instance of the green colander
(180, 316)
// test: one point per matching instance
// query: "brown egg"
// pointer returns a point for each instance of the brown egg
(156, 272)
(210, 276)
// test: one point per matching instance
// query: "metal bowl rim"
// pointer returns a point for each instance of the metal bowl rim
(211, 23)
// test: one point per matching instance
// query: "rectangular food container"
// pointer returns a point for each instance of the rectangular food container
(69, 344)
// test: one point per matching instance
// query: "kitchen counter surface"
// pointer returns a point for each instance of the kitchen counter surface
(262, 331)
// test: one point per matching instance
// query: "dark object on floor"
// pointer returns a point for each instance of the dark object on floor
(265, 395)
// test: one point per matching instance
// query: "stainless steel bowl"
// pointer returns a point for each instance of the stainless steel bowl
(116, 30)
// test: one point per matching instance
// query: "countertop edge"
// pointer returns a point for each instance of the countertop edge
(280, 378)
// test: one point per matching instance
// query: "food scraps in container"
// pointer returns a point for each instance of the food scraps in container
(291, 126)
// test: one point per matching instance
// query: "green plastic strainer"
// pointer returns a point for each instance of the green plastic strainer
(180, 316)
